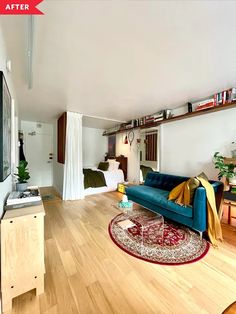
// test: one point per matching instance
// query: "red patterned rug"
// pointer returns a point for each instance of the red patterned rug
(176, 245)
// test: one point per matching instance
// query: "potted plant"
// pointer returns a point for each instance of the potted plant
(225, 170)
(23, 176)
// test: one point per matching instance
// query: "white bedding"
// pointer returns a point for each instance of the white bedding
(112, 178)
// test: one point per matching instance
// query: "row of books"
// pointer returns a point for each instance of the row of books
(226, 96)
(156, 117)
(136, 123)
(149, 119)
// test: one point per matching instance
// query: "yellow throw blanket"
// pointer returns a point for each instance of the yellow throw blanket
(181, 195)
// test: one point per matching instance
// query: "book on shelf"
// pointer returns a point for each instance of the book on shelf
(159, 116)
(159, 119)
(129, 124)
(168, 113)
(226, 96)
(125, 224)
(149, 119)
(179, 111)
(208, 103)
(233, 94)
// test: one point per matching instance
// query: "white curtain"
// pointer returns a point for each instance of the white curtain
(73, 186)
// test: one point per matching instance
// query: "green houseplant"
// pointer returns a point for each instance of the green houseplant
(22, 175)
(225, 170)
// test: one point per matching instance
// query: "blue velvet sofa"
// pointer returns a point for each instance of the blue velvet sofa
(154, 193)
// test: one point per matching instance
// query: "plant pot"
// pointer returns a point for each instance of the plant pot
(21, 186)
(225, 181)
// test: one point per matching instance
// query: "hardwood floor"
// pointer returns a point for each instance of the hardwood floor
(87, 273)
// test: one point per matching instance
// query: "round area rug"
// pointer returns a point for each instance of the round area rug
(175, 245)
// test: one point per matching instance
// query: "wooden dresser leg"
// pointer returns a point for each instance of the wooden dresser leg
(40, 285)
(6, 304)
(229, 214)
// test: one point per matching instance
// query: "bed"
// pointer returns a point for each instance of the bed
(112, 177)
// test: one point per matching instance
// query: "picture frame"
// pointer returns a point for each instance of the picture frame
(5, 129)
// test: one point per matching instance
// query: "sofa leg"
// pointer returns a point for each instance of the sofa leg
(200, 233)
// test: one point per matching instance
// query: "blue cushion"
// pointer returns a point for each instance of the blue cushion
(158, 197)
(163, 181)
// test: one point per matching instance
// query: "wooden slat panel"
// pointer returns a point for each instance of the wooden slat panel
(61, 138)
(151, 147)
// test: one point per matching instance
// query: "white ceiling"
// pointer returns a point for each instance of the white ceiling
(122, 59)
(99, 123)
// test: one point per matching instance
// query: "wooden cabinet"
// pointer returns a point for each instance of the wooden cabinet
(61, 138)
(229, 161)
(22, 253)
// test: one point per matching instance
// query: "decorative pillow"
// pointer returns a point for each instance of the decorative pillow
(114, 165)
(183, 193)
(203, 176)
(111, 160)
(193, 185)
(103, 165)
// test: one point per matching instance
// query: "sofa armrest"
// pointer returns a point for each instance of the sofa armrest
(200, 209)
(200, 204)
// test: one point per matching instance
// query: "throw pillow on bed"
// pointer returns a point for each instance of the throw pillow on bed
(103, 165)
(113, 165)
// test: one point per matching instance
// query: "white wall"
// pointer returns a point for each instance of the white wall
(58, 168)
(39, 127)
(7, 185)
(94, 147)
(188, 145)
(132, 152)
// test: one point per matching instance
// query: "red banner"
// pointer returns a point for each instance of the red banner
(19, 7)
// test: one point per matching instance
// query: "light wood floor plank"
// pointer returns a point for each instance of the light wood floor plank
(87, 273)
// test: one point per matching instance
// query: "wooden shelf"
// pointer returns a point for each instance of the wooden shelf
(122, 131)
(229, 161)
(180, 117)
(201, 112)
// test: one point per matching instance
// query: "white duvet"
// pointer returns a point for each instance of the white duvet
(112, 178)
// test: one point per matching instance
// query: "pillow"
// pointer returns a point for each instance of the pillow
(111, 160)
(103, 166)
(180, 194)
(193, 185)
(203, 176)
(183, 193)
(114, 165)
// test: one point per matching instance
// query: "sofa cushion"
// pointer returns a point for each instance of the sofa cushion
(158, 197)
(163, 181)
